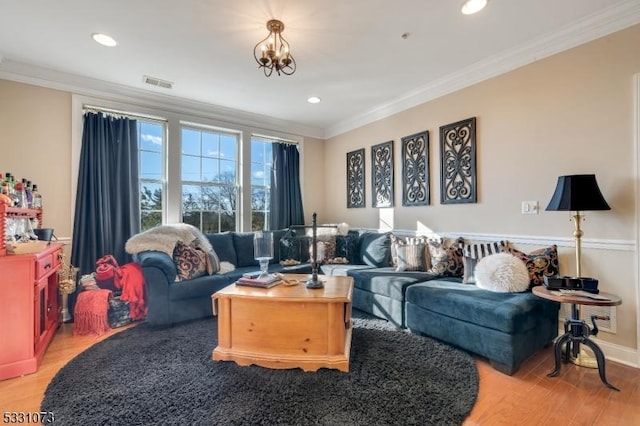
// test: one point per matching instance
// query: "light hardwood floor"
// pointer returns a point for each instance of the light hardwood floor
(576, 397)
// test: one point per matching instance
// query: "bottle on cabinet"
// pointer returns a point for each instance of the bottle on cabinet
(37, 198)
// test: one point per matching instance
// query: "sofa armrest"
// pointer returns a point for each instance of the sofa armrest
(157, 259)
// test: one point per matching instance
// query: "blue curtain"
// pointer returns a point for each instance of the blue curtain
(286, 196)
(107, 198)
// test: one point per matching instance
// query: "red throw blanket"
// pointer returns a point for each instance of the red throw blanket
(90, 312)
(132, 284)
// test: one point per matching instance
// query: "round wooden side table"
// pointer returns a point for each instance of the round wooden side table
(577, 331)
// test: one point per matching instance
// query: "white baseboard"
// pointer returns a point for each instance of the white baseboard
(617, 353)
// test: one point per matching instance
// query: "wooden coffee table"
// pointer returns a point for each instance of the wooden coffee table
(285, 326)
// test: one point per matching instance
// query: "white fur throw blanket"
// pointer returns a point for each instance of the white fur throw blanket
(164, 238)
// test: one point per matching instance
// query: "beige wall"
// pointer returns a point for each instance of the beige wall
(567, 114)
(313, 179)
(35, 143)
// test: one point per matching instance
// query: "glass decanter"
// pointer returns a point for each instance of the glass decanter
(263, 251)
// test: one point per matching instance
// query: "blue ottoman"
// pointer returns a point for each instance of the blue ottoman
(505, 328)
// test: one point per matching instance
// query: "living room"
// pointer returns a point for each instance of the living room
(571, 112)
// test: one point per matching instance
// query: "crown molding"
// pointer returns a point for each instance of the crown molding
(80, 85)
(590, 28)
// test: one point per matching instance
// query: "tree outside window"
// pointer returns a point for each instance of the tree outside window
(209, 179)
(151, 142)
(261, 164)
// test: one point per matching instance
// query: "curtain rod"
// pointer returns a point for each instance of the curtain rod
(276, 139)
(92, 108)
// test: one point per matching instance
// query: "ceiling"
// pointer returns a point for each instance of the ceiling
(350, 53)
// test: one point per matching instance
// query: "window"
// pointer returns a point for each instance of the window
(261, 165)
(209, 179)
(151, 143)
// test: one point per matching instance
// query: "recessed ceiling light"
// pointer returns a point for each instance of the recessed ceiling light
(314, 100)
(104, 39)
(472, 6)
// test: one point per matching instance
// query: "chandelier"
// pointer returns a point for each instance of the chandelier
(273, 53)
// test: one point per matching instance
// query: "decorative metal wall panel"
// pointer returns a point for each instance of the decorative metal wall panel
(355, 179)
(458, 162)
(415, 169)
(382, 174)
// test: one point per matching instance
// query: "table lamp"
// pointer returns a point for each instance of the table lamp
(577, 193)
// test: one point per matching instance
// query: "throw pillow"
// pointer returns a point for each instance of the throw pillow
(347, 246)
(473, 253)
(191, 261)
(540, 263)
(446, 259)
(410, 257)
(374, 249)
(243, 242)
(222, 243)
(502, 273)
(328, 248)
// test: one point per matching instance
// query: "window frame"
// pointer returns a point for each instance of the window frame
(212, 184)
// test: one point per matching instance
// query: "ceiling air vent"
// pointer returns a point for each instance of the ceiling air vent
(158, 82)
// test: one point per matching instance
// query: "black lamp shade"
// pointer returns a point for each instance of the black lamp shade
(577, 193)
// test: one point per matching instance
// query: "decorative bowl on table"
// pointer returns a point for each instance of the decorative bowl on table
(289, 262)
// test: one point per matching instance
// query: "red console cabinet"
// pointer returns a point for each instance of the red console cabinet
(29, 309)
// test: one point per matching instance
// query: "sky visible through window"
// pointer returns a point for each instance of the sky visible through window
(209, 177)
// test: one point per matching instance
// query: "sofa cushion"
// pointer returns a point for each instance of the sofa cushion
(506, 312)
(341, 270)
(386, 281)
(222, 243)
(374, 249)
(243, 242)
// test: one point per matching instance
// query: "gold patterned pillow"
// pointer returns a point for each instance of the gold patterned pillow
(540, 263)
(446, 259)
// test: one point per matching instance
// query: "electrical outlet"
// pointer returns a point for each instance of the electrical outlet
(529, 207)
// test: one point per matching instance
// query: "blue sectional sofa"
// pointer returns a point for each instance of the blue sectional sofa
(505, 328)
(170, 301)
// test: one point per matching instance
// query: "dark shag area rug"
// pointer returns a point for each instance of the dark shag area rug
(147, 376)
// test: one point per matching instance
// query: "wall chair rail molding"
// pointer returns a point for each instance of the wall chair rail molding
(534, 240)
(356, 197)
(382, 174)
(458, 162)
(416, 178)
